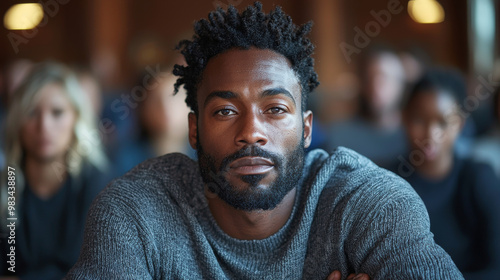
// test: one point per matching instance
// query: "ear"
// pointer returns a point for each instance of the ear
(308, 127)
(193, 129)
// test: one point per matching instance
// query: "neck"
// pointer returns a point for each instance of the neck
(251, 225)
(437, 169)
(45, 178)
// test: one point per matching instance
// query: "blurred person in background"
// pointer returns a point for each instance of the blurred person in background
(10, 78)
(92, 89)
(487, 147)
(415, 62)
(461, 195)
(90, 85)
(376, 132)
(59, 169)
(162, 124)
(336, 105)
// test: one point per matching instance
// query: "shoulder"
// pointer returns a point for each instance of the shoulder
(157, 180)
(478, 180)
(477, 172)
(352, 168)
(170, 166)
(378, 220)
(356, 180)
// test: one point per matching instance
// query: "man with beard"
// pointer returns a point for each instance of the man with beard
(255, 206)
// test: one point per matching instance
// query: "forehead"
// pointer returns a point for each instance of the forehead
(435, 100)
(249, 70)
(52, 93)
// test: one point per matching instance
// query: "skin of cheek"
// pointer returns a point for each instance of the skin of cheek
(289, 130)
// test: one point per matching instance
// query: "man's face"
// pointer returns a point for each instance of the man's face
(250, 132)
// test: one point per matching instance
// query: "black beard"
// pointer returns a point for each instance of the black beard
(289, 169)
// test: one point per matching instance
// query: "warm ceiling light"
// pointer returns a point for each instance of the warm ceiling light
(23, 16)
(426, 11)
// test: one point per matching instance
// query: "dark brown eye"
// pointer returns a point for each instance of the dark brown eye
(276, 110)
(225, 112)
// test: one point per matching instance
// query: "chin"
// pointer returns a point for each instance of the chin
(253, 182)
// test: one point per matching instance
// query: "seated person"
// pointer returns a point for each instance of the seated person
(255, 205)
(162, 124)
(376, 132)
(58, 171)
(461, 195)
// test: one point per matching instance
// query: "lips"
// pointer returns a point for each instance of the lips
(251, 166)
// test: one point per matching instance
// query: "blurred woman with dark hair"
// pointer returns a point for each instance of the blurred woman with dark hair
(53, 145)
(461, 195)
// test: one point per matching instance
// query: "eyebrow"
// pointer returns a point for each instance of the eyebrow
(278, 91)
(267, 92)
(219, 94)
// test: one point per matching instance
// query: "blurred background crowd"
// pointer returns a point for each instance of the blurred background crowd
(86, 93)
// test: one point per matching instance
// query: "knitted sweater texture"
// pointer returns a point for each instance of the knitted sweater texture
(349, 215)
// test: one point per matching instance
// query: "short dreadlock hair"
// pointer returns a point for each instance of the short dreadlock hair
(225, 30)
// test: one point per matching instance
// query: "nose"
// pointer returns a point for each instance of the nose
(251, 130)
(432, 132)
(43, 122)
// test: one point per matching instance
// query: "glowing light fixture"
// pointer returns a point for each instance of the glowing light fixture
(426, 11)
(23, 16)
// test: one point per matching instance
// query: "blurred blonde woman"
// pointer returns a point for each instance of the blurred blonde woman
(54, 147)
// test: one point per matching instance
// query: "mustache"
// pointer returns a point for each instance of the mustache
(250, 151)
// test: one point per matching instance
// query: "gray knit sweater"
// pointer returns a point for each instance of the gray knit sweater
(349, 215)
